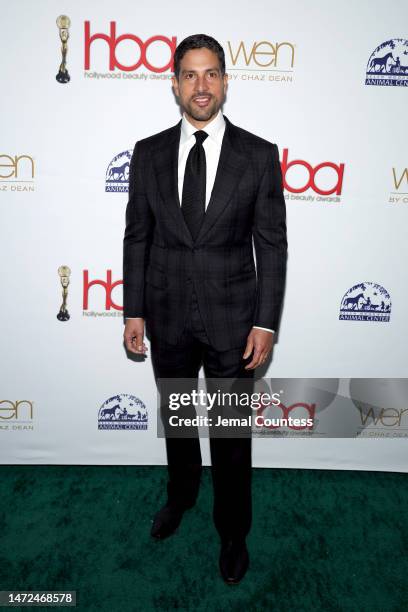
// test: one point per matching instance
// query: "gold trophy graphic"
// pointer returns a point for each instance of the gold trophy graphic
(64, 274)
(63, 23)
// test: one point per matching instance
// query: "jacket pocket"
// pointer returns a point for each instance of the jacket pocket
(242, 276)
(156, 278)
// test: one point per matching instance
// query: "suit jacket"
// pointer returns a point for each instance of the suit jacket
(162, 263)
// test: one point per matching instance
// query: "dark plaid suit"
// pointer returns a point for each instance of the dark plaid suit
(200, 299)
(161, 262)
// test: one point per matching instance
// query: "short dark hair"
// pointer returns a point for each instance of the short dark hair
(197, 41)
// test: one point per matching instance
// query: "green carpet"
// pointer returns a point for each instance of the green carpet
(321, 540)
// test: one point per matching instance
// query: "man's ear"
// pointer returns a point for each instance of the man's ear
(174, 83)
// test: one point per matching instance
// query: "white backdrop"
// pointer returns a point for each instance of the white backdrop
(311, 99)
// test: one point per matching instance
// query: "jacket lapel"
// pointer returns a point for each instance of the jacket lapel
(231, 165)
(165, 162)
(230, 169)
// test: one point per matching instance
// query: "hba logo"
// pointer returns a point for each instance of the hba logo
(264, 54)
(329, 181)
(16, 172)
(137, 56)
(107, 289)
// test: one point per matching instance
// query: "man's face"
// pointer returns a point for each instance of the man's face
(201, 88)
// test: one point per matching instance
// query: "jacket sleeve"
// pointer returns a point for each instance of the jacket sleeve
(270, 242)
(137, 237)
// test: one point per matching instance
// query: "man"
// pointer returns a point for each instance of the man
(201, 194)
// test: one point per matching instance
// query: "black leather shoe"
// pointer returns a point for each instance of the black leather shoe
(234, 560)
(166, 521)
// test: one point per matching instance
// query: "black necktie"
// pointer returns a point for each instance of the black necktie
(193, 198)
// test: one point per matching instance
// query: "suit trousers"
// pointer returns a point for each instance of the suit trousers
(231, 460)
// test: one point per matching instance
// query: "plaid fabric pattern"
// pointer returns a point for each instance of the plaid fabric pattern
(246, 213)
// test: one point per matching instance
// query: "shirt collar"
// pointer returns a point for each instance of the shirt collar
(214, 129)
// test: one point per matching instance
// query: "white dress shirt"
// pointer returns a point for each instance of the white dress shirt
(212, 147)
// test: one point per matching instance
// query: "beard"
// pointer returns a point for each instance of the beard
(202, 114)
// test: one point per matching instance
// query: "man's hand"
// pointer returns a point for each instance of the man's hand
(261, 342)
(133, 336)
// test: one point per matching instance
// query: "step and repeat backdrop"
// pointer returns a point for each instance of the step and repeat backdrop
(81, 83)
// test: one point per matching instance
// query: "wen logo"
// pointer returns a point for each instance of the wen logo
(16, 172)
(263, 54)
(400, 184)
(261, 61)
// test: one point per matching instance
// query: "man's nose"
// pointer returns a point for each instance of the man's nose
(202, 83)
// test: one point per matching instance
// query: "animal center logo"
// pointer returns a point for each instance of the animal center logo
(388, 64)
(366, 302)
(123, 411)
(117, 173)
